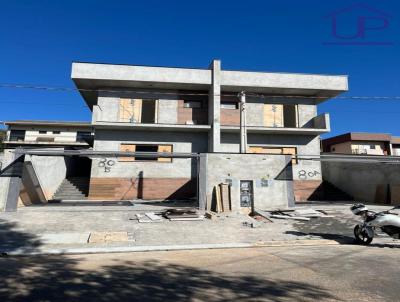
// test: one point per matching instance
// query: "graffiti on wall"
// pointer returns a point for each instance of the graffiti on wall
(106, 164)
(303, 174)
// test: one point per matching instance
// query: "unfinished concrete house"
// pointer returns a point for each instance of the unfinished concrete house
(198, 111)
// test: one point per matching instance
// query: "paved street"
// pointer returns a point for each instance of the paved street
(323, 273)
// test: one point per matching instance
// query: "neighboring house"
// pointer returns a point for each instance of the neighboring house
(49, 134)
(165, 109)
(2, 137)
(42, 176)
(362, 143)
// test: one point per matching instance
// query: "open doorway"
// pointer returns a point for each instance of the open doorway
(148, 111)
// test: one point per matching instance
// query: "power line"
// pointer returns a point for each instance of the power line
(70, 89)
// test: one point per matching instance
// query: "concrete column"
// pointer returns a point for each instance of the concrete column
(214, 107)
(243, 130)
(10, 177)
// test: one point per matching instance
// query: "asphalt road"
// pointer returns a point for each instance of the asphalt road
(323, 273)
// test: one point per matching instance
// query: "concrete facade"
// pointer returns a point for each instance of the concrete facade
(269, 174)
(366, 182)
(106, 87)
(107, 140)
(7, 158)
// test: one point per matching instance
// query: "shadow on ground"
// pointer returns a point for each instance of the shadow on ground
(12, 239)
(340, 230)
(62, 278)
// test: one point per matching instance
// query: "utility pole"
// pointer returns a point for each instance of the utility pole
(243, 131)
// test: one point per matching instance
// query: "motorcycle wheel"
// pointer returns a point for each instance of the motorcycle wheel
(361, 236)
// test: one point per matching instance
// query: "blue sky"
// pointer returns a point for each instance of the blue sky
(40, 39)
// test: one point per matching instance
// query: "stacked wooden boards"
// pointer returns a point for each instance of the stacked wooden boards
(222, 198)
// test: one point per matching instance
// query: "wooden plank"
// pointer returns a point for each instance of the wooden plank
(153, 216)
(290, 217)
(255, 149)
(125, 110)
(226, 197)
(127, 148)
(218, 206)
(291, 151)
(271, 150)
(166, 149)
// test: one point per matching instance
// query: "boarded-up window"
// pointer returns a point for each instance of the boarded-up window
(273, 115)
(127, 148)
(138, 111)
(145, 148)
(275, 150)
(279, 115)
(166, 149)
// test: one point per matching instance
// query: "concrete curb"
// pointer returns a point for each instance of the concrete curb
(156, 248)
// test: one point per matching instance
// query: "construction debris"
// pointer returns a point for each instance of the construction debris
(251, 224)
(153, 216)
(289, 217)
(264, 214)
(146, 219)
(304, 214)
(210, 215)
(182, 215)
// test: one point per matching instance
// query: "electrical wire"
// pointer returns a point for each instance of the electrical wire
(70, 89)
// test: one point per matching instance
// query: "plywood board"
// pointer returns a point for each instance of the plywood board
(254, 149)
(226, 197)
(125, 110)
(127, 148)
(292, 151)
(167, 149)
(273, 115)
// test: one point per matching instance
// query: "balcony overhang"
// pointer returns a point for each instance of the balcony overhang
(270, 130)
(151, 127)
(90, 77)
(322, 87)
(35, 143)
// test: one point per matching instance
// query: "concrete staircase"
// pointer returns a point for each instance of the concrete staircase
(72, 188)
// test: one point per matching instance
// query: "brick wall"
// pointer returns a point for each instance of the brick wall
(114, 188)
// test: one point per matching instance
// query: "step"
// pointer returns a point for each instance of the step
(69, 196)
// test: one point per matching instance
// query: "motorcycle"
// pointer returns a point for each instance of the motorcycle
(388, 222)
